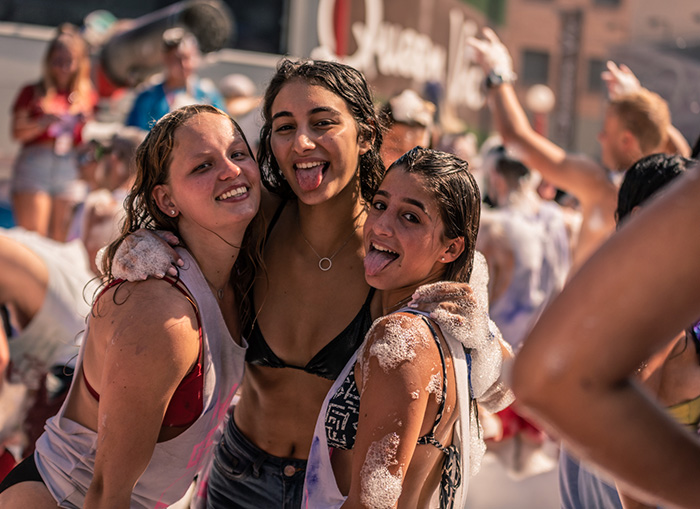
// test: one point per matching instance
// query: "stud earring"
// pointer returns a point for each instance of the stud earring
(172, 212)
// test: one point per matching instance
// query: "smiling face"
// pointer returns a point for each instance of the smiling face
(62, 65)
(404, 234)
(213, 181)
(315, 141)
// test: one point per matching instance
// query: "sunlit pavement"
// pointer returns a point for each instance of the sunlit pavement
(491, 488)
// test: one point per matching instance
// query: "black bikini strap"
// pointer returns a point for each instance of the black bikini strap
(451, 476)
(430, 437)
(274, 219)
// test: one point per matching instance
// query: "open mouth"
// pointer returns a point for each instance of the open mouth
(233, 193)
(377, 258)
(309, 175)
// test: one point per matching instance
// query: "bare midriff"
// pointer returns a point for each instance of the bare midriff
(271, 413)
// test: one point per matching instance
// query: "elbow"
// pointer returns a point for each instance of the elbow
(540, 383)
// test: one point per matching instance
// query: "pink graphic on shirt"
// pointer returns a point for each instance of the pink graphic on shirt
(201, 450)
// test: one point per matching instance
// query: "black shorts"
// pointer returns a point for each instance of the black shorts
(25, 471)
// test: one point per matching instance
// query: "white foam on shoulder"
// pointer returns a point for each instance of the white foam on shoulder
(398, 343)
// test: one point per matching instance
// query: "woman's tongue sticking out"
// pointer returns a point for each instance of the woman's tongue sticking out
(310, 177)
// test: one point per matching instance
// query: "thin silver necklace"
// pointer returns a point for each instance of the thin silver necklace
(219, 292)
(326, 262)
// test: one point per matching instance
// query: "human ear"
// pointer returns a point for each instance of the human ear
(161, 195)
(630, 141)
(366, 138)
(453, 250)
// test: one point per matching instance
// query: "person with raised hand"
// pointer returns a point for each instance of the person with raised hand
(637, 123)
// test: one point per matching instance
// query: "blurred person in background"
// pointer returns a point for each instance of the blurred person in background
(637, 123)
(47, 119)
(243, 104)
(110, 169)
(525, 242)
(408, 120)
(45, 289)
(180, 85)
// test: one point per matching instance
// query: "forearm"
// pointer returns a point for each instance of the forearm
(631, 503)
(508, 115)
(533, 149)
(25, 129)
(676, 143)
(98, 498)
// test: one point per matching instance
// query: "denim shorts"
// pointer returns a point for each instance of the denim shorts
(244, 476)
(38, 168)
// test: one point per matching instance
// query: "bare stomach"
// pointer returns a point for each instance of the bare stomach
(278, 408)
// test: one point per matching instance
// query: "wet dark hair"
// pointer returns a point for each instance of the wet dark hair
(645, 178)
(458, 198)
(508, 167)
(347, 83)
(153, 158)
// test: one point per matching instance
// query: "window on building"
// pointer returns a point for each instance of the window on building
(535, 67)
(595, 83)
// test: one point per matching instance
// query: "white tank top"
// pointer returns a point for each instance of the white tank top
(65, 453)
(480, 372)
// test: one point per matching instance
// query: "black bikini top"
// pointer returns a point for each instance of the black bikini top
(331, 359)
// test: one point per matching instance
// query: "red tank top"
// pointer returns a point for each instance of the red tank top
(186, 404)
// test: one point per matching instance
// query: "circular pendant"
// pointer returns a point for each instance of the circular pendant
(325, 264)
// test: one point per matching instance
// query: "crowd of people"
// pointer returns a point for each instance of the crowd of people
(187, 269)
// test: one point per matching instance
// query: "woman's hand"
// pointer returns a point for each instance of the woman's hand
(452, 305)
(146, 253)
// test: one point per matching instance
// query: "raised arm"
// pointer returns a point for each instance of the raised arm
(150, 340)
(621, 80)
(397, 365)
(575, 371)
(577, 175)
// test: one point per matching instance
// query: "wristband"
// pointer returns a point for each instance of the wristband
(494, 79)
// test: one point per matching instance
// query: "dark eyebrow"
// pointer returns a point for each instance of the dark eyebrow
(325, 109)
(281, 114)
(410, 201)
(320, 109)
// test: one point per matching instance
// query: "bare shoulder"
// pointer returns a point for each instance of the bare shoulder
(152, 308)
(398, 338)
(589, 180)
